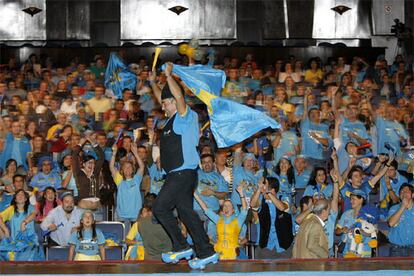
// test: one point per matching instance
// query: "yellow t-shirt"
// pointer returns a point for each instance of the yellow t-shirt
(118, 178)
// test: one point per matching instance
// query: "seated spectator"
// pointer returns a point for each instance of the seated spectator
(47, 176)
(87, 243)
(133, 239)
(21, 215)
(155, 239)
(47, 202)
(62, 221)
(401, 220)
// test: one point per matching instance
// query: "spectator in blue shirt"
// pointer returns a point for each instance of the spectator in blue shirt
(211, 185)
(318, 186)
(401, 220)
(285, 142)
(315, 135)
(47, 175)
(302, 172)
(396, 180)
(389, 131)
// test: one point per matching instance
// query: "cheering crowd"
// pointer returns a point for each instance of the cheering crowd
(336, 180)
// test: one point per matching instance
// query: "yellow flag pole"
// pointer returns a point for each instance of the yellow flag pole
(157, 53)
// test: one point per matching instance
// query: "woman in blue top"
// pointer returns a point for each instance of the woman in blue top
(87, 243)
(318, 186)
(129, 201)
(285, 173)
(20, 215)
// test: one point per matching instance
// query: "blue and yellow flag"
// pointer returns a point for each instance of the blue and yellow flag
(118, 77)
(230, 122)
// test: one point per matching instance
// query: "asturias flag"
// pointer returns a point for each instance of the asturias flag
(118, 77)
(230, 122)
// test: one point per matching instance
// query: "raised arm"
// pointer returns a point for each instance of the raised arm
(175, 89)
(200, 202)
(381, 173)
(141, 164)
(254, 202)
(157, 91)
(242, 197)
(305, 104)
(112, 168)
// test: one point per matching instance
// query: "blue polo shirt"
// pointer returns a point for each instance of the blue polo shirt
(310, 147)
(301, 180)
(286, 146)
(213, 181)
(356, 127)
(347, 219)
(187, 126)
(402, 234)
(389, 132)
(247, 178)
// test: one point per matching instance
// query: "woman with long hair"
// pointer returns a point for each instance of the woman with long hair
(284, 171)
(47, 202)
(318, 186)
(9, 172)
(20, 214)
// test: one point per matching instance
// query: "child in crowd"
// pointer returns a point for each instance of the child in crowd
(87, 243)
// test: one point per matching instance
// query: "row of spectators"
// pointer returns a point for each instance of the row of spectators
(342, 158)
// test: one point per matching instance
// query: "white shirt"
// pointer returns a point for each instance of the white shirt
(58, 217)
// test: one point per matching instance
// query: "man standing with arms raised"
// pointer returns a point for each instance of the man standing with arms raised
(180, 159)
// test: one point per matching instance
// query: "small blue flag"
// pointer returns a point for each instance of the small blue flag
(118, 76)
(230, 122)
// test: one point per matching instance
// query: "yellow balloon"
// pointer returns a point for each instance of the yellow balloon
(182, 48)
(190, 52)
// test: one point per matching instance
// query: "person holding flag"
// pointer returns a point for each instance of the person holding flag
(180, 159)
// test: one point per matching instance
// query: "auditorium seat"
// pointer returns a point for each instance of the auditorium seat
(57, 253)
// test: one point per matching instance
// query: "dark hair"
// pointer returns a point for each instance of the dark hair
(206, 156)
(80, 231)
(304, 200)
(354, 169)
(87, 158)
(149, 201)
(9, 162)
(18, 175)
(26, 204)
(394, 164)
(406, 185)
(273, 183)
(290, 173)
(312, 178)
(42, 201)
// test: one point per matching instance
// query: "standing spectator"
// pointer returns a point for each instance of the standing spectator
(128, 179)
(16, 147)
(311, 242)
(401, 220)
(87, 172)
(99, 104)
